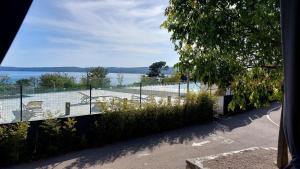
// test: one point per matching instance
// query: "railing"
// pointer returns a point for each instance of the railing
(27, 103)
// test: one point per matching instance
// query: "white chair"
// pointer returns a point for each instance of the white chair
(34, 107)
(86, 98)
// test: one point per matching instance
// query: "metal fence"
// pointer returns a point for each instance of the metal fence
(27, 103)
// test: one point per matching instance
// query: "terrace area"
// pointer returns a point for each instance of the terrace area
(52, 104)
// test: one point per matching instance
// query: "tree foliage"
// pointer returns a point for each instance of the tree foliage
(228, 42)
(145, 80)
(157, 68)
(257, 87)
(173, 78)
(23, 82)
(57, 80)
(97, 77)
(4, 79)
(120, 79)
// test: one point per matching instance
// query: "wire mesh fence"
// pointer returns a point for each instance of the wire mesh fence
(27, 103)
(10, 103)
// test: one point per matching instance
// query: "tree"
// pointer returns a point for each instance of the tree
(34, 81)
(4, 80)
(4, 83)
(120, 79)
(231, 43)
(174, 78)
(145, 80)
(97, 77)
(23, 82)
(157, 68)
(57, 80)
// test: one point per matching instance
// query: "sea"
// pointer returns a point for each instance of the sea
(16, 75)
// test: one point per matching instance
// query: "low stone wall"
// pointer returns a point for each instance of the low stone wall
(250, 158)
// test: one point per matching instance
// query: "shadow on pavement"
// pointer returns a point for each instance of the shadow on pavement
(243, 119)
(110, 153)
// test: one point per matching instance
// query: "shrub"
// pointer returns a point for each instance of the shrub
(12, 142)
(199, 106)
(257, 88)
(174, 78)
(69, 134)
(97, 78)
(145, 80)
(50, 135)
(57, 81)
(59, 136)
(122, 120)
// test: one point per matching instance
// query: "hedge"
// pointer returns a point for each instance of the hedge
(27, 141)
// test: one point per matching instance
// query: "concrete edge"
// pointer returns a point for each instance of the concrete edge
(197, 163)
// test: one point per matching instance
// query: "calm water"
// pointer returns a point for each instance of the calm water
(16, 75)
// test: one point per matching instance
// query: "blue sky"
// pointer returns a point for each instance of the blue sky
(87, 33)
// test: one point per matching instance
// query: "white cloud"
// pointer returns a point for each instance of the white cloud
(102, 28)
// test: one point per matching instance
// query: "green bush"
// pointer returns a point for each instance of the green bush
(97, 78)
(145, 80)
(69, 134)
(12, 142)
(125, 120)
(57, 81)
(174, 78)
(50, 135)
(257, 88)
(121, 120)
(59, 136)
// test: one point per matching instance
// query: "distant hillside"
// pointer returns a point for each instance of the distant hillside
(136, 70)
(44, 69)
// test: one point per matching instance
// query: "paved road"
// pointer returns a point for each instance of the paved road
(169, 150)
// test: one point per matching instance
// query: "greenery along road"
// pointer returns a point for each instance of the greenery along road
(169, 150)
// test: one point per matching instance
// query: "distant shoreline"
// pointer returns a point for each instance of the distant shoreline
(129, 70)
(60, 71)
(13, 76)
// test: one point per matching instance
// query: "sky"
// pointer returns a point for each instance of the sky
(84, 33)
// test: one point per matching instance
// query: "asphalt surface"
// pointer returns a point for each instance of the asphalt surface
(169, 150)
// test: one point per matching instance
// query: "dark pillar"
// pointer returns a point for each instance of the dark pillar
(290, 10)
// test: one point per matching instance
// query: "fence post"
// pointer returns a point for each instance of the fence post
(169, 101)
(21, 103)
(188, 83)
(90, 99)
(140, 94)
(67, 108)
(179, 89)
(125, 101)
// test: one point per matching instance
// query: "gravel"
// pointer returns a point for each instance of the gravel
(248, 159)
